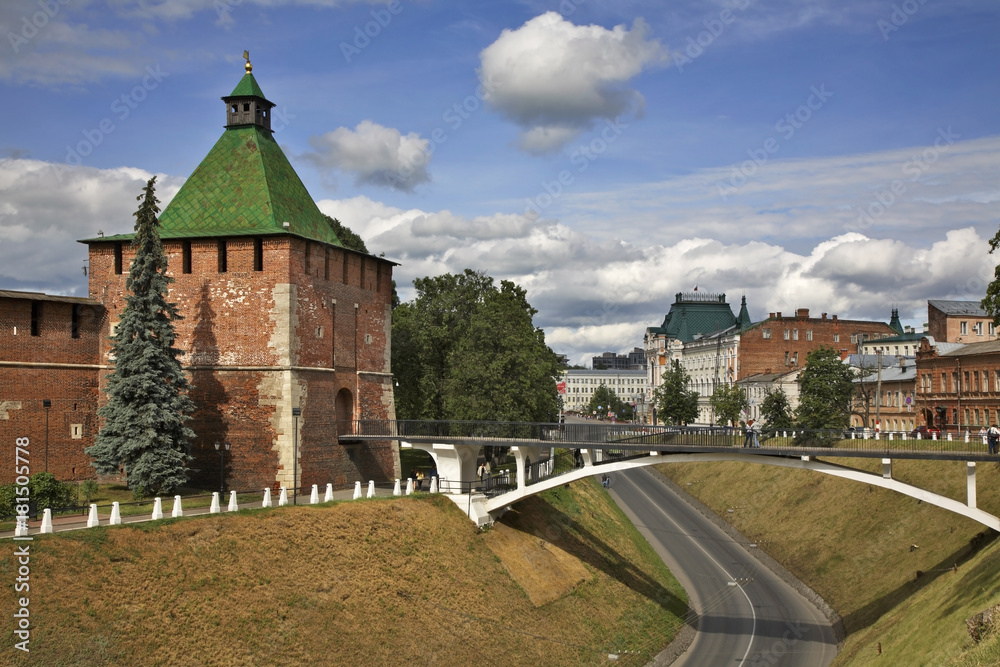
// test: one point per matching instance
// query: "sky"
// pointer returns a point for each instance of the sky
(836, 155)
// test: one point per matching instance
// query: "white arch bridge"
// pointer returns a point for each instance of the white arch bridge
(528, 458)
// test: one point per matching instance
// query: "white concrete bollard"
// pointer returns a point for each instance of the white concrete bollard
(92, 519)
(157, 509)
(234, 503)
(934, 436)
(853, 435)
(878, 435)
(784, 434)
(357, 489)
(949, 437)
(395, 489)
(890, 435)
(46, 521)
(267, 498)
(966, 436)
(215, 508)
(21, 526)
(434, 484)
(283, 497)
(178, 508)
(409, 486)
(116, 514)
(314, 495)
(329, 493)
(918, 435)
(371, 488)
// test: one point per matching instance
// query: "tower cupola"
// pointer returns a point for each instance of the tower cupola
(246, 105)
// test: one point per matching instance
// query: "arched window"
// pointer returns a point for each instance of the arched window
(344, 406)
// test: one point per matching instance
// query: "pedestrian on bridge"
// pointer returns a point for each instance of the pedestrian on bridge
(993, 438)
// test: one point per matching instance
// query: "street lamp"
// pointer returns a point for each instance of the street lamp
(46, 403)
(296, 413)
(222, 466)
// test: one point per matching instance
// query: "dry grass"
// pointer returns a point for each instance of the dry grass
(861, 547)
(377, 582)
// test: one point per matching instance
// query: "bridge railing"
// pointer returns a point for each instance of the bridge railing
(635, 436)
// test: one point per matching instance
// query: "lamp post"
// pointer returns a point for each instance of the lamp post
(46, 403)
(222, 449)
(296, 413)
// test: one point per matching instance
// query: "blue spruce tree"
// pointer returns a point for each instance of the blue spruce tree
(143, 430)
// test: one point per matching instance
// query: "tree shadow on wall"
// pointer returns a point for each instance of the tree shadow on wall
(208, 394)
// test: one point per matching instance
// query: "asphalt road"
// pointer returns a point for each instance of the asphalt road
(746, 615)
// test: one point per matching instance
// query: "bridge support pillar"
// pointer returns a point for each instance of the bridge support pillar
(588, 457)
(524, 457)
(456, 464)
(970, 482)
(887, 468)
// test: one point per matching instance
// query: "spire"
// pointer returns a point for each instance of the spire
(246, 105)
(743, 320)
(894, 322)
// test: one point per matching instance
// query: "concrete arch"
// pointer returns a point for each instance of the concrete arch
(497, 504)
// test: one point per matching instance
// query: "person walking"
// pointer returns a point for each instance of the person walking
(993, 438)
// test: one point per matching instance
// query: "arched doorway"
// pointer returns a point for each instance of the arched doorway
(344, 406)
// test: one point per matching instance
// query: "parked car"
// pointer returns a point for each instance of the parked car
(925, 432)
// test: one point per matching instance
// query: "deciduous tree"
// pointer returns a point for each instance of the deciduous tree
(776, 411)
(729, 402)
(675, 403)
(826, 391)
(143, 427)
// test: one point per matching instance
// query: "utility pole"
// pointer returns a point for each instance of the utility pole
(878, 392)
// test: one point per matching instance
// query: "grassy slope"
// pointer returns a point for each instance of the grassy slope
(365, 582)
(854, 544)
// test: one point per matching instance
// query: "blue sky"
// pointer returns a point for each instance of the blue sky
(839, 156)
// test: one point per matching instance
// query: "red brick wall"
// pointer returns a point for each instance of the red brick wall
(758, 354)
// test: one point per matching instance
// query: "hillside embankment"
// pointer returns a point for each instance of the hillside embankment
(563, 579)
(904, 576)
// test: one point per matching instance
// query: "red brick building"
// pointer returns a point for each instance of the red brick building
(958, 386)
(781, 342)
(277, 314)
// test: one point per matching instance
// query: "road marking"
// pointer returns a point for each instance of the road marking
(732, 582)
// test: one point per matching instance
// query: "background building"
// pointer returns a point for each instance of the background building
(959, 322)
(628, 385)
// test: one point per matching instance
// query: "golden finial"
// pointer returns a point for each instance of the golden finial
(248, 67)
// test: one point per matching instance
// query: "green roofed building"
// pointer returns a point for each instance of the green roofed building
(285, 331)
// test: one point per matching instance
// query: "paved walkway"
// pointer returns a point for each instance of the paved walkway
(63, 523)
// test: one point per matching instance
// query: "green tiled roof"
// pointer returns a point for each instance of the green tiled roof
(689, 317)
(244, 186)
(247, 86)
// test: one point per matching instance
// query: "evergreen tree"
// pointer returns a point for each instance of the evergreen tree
(826, 391)
(776, 411)
(729, 402)
(675, 403)
(143, 428)
(347, 237)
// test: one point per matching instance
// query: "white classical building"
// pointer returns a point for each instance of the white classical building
(581, 383)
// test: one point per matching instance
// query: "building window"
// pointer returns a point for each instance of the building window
(795, 334)
(185, 257)
(36, 318)
(786, 356)
(965, 382)
(991, 329)
(836, 338)
(118, 259)
(809, 334)
(74, 322)
(223, 262)
(258, 254)
(786, 334)
(326, 264)
(964, 327)
(795, 358)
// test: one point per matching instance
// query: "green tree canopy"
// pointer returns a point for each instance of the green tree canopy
(729, 402)
(674, 402)
(776, 411)
(826, 391)
(143, 429)
(347, 237)
(603, 401)
(465, 349)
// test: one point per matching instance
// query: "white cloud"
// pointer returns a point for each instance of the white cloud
(376, 155)
(48, 207)
(554, 78)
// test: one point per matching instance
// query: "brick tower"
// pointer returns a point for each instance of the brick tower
(278, 315)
